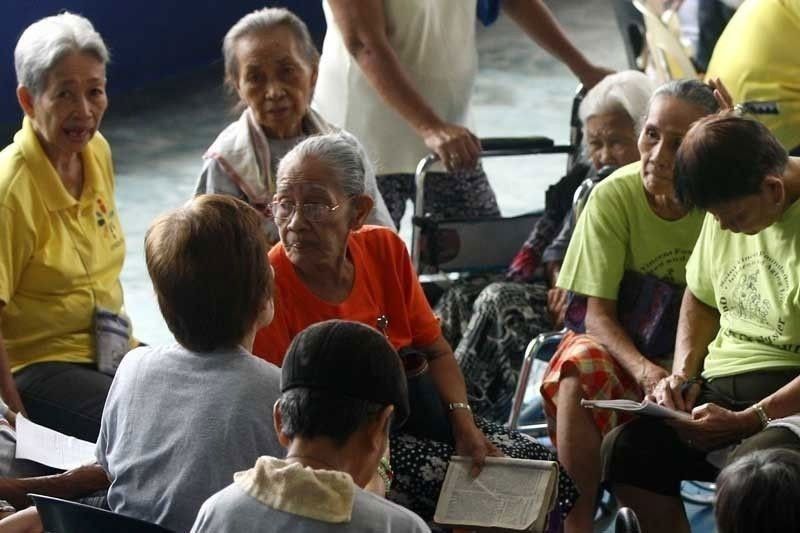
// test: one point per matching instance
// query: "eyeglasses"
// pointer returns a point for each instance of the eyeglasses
(314, 212)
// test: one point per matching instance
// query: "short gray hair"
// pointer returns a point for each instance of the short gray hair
(691, 91)
(45, 42)
(263, 20)
(628, 91)
(342, 152)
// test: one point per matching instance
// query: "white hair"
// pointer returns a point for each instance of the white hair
(342, 152)
(628, 91)
(45, 42)
(263, 20)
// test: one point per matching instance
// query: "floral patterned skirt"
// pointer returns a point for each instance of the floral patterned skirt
(420, 465)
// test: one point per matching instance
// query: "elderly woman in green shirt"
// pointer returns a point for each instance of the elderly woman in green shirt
(737, 353)
(632, 223)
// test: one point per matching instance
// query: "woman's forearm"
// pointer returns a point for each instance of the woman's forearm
(783, 402)
(363, 27)
(602, 324)
(8, 389)
(75, 483)
(697, 327)
(538, 22)
(445, 372)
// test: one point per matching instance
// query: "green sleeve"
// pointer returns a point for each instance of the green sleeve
(699, 268)
(595, 260)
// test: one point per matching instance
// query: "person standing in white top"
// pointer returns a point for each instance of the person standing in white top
(399, 74)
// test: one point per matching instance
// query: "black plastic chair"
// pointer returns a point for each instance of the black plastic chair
(626, 521)
(64, 516)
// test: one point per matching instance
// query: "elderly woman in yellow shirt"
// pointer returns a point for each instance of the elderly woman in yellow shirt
(61, 245)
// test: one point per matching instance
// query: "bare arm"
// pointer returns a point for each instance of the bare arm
(363, 26)
(603, 325)
(449, 381)
(8, 389)
(697, 326)
(73, 483)
(538, 22)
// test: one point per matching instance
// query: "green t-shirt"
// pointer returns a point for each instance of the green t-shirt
(618, 231)
(754, 282)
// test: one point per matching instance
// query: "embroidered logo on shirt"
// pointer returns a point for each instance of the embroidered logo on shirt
(105, 219)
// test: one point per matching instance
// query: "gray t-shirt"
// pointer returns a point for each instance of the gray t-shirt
(177, 425)
(232, 510)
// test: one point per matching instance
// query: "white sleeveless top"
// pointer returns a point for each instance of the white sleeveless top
(435, 42)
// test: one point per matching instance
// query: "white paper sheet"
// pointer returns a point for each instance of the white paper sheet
(51, 448)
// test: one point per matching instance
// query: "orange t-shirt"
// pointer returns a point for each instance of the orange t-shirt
(385, 284)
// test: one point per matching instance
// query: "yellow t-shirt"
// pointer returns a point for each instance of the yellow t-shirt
(758, 58)
(59, 257)
(754, 282)
(618, 231)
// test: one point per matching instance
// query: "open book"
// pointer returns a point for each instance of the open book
(509, 494)
(643, 408)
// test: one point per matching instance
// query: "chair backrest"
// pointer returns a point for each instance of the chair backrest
(585, 189)
(626, 521)
(64, 516)
(631, 27)
(581, 196)
(667, 55)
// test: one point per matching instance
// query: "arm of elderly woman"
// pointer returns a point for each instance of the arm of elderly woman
(712, 426)
(536, 20)
(8, 389)
(446, 374)
(602, 324)
(697, 326)
(363, 26)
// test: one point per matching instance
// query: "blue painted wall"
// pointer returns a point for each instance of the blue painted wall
(149, 39)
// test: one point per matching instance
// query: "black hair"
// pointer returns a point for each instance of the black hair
(725, 157)
(313, 413)
(758, 492)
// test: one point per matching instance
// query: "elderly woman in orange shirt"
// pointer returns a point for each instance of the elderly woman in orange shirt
(329, 265)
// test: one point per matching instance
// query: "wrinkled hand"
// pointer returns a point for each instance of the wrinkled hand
(713, 427)
(592, 75)
(649, 376)
(457, 147)
(670, 392)
(721, 95)
(471, 442)
(557, 306)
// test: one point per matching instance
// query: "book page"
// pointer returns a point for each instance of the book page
(508, 493)
(644, 408)
(51, 448)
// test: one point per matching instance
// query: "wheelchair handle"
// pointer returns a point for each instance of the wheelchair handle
(490, 147)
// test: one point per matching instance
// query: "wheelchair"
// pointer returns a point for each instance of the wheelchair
(444, 250)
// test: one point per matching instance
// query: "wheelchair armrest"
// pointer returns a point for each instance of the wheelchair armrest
(516, 143)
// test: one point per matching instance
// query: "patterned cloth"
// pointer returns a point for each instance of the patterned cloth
(464, 194)
(490, 336)
(601, 376)
(420, 465)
